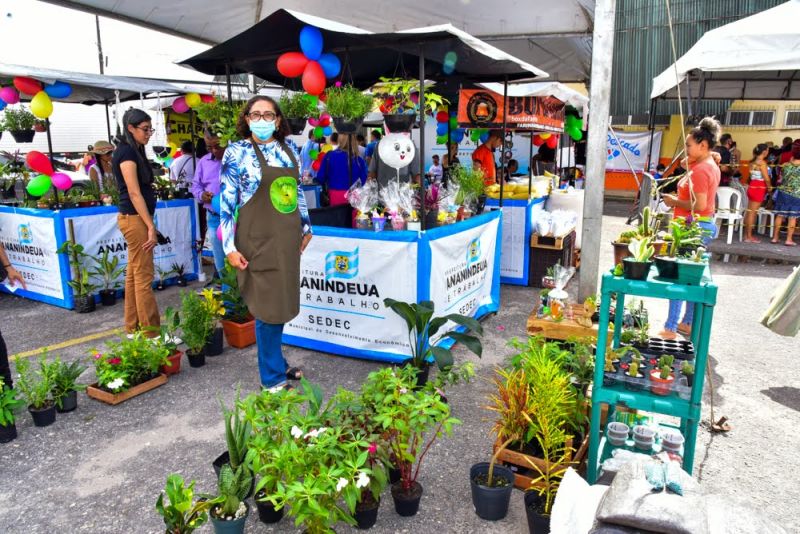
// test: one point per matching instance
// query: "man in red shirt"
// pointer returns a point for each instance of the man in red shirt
(485, 157)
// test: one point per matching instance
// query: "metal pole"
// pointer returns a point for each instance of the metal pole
(422, 135)
(100, 59)
(530, 167)
(228, 81)
(600, 96)
(505, 121)
(50, 153)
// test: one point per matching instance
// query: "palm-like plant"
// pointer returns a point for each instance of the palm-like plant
(108, 270)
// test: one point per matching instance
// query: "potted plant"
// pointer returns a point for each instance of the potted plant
(227, 509)
(82, 288)
(169, 340)
(34, 387)
(687, 370)
(296, 109)
(470, 188)
(128, 368)
(182, 514)
(422, 327)
(9, 404)
(162, 277)
(641, 340)
(180, 271)
(638, 266)
(237, 437)
(610, 368)
(542, 493)
(20, 122)
(109, 271)
(399, 102)
(347, 106)
(40, 126)
(196, 327)
(64, 386)
(621, 245)
(634, 376)
(692, 268)
(221, 118)
(212, 300)
(661, 379)
(239, 326)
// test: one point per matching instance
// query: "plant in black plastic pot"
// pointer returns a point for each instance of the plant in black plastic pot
(422, 326)
(399, 102)
(9, 404)
(197, 326)
(542, 493)
(180, 271)
(687, 370)
(64, 385)
(182, 514)
(348, 106)
(82, 287)
(296, 109)
(34, 387)
(228, 510)
(110, 272)
(237, 438)
(20, 122)
(638, 266)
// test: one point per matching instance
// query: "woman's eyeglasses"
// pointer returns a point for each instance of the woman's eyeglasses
(257, 116)
(146, 130)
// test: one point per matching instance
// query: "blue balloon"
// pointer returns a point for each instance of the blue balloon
(484, 137)
(327, 130)
(311, 42)
(457, 135)
(2, 104)
(330, 64)
(58, 90)
(215, 204)
(441, 128)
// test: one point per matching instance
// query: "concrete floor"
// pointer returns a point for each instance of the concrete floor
(100, 469)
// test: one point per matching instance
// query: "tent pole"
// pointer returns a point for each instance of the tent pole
(505, 124)
(228, 81)
(108, 122)
(193, 137)
(422, 135)
(530, 167)
(50, 153)
(651, 123)
(600, 96)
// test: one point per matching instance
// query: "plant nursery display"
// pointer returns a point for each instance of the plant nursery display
(348, 106)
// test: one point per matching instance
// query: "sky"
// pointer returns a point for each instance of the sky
(36, 34)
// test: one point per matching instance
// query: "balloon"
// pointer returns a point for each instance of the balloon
(292, 64)
(457, 135)
(575, 134)
(396, 150)
(173, 149)
(215, 203)
(313, 121)
(326, 148)
(177, 154)
(2, 105)
(316, 165)
(207, 99)
(325, 120)
(441, 139)
(319, 131)
(484, 137)
(331, 65)
(312, 99)
(58, 90)
(41, 106)
(313, 153)
(61, 181)
(537, 140)
(168, 162)
(9, 95)
(180, 105)
(39, 162)
(38, 186)
(193, 100)
(313, 78)
(29, 86)
(545, 136)
(327, 130)
(441, 128)
(311, 42)
(442, 116)
(453, 123)
(569, 120)
(552, 141)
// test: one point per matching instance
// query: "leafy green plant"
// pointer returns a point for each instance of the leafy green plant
(34, 386)
(642, 249)
(232, 490)
(348, 102)
(182, 514)
(18, 119)
(297, 105)
(128, 362)
(163, 274)
(686, 234)
(63, 378)
(168, 330)
(9, 404)
(237, 433)
(422, 326)
(396, 96)
(512, 404)
(108, 269)
(626, 236)
(81, 284)
(470, 184)
(197, 321)
(220, 118)
(627, 336)
(556, 458)
(235, 307)
(179, 269)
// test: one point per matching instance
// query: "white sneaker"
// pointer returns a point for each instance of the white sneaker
(174, 339)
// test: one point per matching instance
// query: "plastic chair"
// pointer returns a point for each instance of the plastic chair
(729, 209)
(764, 214)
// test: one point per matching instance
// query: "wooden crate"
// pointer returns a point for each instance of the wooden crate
(549, 241)
(564, 329)
(525, 474)
(96, 393)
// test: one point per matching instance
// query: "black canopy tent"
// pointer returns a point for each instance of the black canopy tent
(366, 57)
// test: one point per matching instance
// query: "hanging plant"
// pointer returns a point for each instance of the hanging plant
(220, 118)
(401, 96)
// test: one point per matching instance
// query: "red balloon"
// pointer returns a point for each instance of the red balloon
(552, 141)
(325, 121)
(538, 141)
(442, 116)
(207, 99)
(177, 154)
(39, 162)
(292, 64)
(29, 86)
(314, 78)
(316, 164)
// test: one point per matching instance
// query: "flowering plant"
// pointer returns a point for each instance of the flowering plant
(128, 362)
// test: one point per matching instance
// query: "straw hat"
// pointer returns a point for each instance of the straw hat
(102, 147)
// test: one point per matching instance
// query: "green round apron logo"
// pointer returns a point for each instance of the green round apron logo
(283, 194)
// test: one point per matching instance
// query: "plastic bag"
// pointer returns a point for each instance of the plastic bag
(390, 196)
(562, 222)
(363, 197)
(408, 201)
(544, 223)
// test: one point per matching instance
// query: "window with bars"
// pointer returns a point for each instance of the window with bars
(793, 119)
(750, 118)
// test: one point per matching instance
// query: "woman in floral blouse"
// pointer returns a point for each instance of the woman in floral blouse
(787, 198)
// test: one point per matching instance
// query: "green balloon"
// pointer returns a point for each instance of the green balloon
(313, 153)
(441, 139)
(576, 134)
(311, 99)
(318, 131)
(453, 123)
(38, 186)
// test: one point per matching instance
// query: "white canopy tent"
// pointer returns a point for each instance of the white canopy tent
(755, 58)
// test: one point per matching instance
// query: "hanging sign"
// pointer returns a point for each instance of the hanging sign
(481, 108)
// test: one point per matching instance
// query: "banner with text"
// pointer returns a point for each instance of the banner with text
(635, 146)
(481, 108)
(343, 281)
(30, 244)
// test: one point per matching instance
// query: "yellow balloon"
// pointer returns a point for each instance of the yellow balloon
(41, 106)
(545, 136)
(193, 100)
(326, 148)
(173, 148)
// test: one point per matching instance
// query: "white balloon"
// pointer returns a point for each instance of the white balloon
(397, 150)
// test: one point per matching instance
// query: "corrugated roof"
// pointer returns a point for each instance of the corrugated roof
(642, 48)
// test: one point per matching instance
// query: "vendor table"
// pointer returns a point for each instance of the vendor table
(32, 236)
(561, 330)
(517, 224)
(346, 274)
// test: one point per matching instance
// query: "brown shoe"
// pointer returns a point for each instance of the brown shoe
(667, 334)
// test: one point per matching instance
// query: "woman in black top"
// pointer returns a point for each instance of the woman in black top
(137, 204)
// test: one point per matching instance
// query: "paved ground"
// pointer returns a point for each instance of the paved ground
(101, 468)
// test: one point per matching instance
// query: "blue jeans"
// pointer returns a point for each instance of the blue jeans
(271, 364)
(216, 245)
(676, 305)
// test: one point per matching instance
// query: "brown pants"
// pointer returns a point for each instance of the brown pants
(141, 309)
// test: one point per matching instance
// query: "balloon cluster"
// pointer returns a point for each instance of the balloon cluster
(182, 104)
(479, 135)
(311, 63)
(41, 105)
(551, 140)
(39, 185)
(447, 121)
(573, 127)
(322, 125)
(318, 155)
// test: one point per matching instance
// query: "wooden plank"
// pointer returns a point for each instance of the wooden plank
(564, 329)
(525, 473)
(113, 399)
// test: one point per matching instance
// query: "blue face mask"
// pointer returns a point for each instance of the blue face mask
(262, 129)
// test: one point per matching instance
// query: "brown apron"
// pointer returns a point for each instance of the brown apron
(268, 235)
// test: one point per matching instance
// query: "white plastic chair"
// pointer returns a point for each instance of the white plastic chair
(729, 209)
(764, 214)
